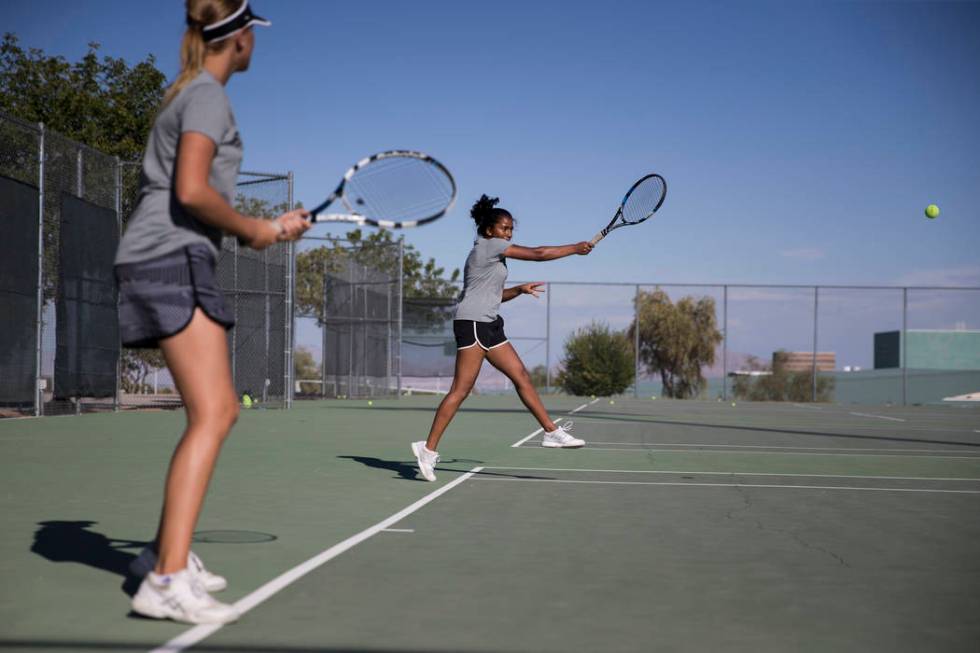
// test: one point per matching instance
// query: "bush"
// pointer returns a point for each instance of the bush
(597, 361)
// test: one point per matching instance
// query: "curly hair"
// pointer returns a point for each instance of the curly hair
(485, 213)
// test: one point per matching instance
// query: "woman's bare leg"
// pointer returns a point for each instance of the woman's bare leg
(505, 359)
(198, 361)
(468, 363)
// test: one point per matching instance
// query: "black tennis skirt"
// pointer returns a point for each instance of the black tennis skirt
(485, 334)
(157, 297)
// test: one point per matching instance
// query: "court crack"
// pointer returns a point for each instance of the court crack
(747, 504)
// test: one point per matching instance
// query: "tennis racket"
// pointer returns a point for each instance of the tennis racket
(396, 189)
(641, 201)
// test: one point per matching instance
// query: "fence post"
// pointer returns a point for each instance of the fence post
(323, 334)
(290, 295)
(636, 342)
(234, 331)
(905, 328)
(38, 391)
(813, 393)
(724, 344)
(115, 396)
(401, 302)
(547, 340)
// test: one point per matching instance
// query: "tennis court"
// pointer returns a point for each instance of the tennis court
(682, 526)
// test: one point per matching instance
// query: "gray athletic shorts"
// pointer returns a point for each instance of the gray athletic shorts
(157, 297)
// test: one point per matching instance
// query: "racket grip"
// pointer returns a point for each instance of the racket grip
(599, 236)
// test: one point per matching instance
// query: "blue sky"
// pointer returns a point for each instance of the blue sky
(801, 141)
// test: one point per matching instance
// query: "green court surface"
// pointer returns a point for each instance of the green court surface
(682, 526)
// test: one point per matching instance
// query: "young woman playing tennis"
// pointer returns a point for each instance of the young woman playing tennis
(479, 329)
(168, 295)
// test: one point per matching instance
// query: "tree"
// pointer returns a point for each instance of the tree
(781, 384)
(106, 104)
(306, 368)
(426, 294)
(137, 365)
(597, 361)
(676, 340)
(539, 376)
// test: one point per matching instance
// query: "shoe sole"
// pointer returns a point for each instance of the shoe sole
(154, 613)
(418, 462)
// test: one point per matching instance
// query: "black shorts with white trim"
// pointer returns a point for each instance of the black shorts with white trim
(487, 335)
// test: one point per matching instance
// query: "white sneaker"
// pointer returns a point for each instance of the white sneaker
(426, 460)
(179, 596)
(561, 437)
(147, 560)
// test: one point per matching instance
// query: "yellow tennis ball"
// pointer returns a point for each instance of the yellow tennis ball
(733, 403)
(932, 211)
(612, 401)
(593, 397)
(370, 403)
(654, 397)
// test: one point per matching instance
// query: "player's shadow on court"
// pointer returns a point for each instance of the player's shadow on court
(73, 541)
(404, 470)
(409, 472)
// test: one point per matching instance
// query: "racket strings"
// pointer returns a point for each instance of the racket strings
(644, 199)
(399, 189)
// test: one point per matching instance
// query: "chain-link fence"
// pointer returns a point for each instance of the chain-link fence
(348, 320)
(843, 344)
(63, 206)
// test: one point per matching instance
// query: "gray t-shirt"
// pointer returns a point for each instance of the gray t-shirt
(159, 225)
(483, 280)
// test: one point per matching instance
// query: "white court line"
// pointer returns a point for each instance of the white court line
(398, 530)
(685, 471)
(894, 419)
(587, 447)
(772, 446)
(572, 412)
(755, 485)
(197, 633)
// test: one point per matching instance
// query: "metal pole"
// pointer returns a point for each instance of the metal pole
(323, 334)
(813, 393)
(547, 341)
(724, 345)
(401, 301)
(351, 302)
(288, 373)
(79, 186)
(115, 396)
(905, 328)
(38, 391)
(636, 343)
(234, 331)
(388, 339)
(266, 371)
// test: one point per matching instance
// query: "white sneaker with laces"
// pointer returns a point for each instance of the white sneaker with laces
(562, 438)
(426, 460)
(147, 560)
(181, 597)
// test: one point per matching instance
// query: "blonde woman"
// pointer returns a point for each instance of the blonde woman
(168, 294)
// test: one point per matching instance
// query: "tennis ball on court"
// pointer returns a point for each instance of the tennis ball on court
(593, 396)
(370, 403)
(612, 401)
(654, 397)
(932, 211)
(733, 403)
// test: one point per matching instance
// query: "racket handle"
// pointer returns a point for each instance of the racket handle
(599, 236)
